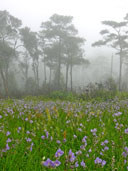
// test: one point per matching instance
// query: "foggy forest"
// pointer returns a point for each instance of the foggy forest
(63, 85)
(54, 58)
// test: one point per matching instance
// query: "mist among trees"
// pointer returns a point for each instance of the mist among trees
(35, 63)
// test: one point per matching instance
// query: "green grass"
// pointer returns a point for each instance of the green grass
(32, 118)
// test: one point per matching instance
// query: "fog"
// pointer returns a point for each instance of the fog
(101, 63)
(87, 14)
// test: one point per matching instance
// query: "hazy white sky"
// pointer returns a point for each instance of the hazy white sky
(87, 14)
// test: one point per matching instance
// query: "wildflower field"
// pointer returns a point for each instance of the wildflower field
(62, 135)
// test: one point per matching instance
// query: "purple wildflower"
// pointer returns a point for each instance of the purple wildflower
(31, 121)
(4, 150)
(76, 164)
(126, 131)
(126, 148)
(43, 137)
(84, 139)
(26, 119)
(81, 124)
(58, 142)
(28, 132)
(59, 153)
(106, 141)
(7, 147)
(79, 129)
(31, 146)
(106, 148)
(64, 140)
(52, 164)
(68, 121)
(102, 143)
(87, 155)
(57, 163)
(74, 136)
(94, 131)
(103, 162)
(90, 150)
(82, 163)
(8, 133)
(28, 139)
(82, 147)
(19, 128)
(49, 163)
(8, 140)
(71, 156)
(101, 153)
(79, 152)
(98, 160)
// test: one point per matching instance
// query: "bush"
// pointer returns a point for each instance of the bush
(103, 91)
(63, 95)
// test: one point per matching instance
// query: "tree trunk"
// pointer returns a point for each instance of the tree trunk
(59, 64)
(112, 66)
(66, 86)
(4, 82)
(37, 73)
(45, 77)
(71, 77)
(120, 71)
(50, 76)
(6, 78)
(26, 77)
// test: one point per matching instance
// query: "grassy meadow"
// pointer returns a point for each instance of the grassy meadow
(61, 135)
